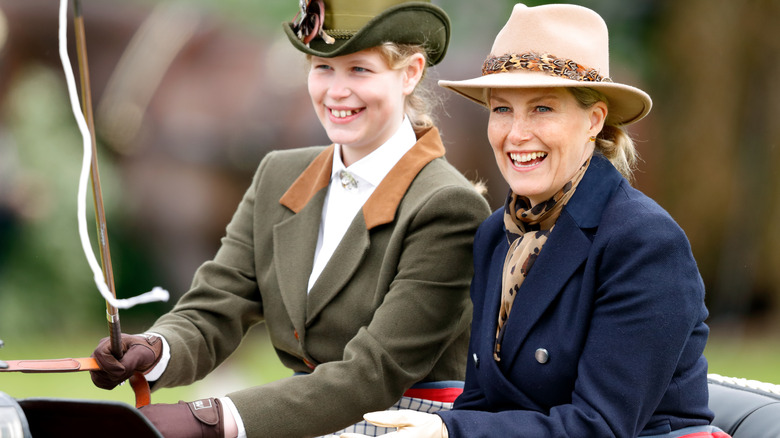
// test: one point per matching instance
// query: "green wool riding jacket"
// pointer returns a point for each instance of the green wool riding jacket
(390, 309)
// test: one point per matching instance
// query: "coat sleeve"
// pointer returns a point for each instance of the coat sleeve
(647, 319)
(487, 240)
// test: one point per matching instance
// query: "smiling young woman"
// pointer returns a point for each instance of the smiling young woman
(356, 256)
(360, 99)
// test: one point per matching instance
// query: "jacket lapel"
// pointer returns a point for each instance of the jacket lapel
(340, 268)
(565, 251)
(315, 178)
(295, 239)
(378, 210)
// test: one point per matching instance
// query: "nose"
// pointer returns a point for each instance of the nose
(339, 88)
(519, 132)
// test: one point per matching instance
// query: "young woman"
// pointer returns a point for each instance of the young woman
(588, 305)
(356, 256)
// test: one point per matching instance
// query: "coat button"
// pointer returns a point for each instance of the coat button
(476, 360)
(542, 355)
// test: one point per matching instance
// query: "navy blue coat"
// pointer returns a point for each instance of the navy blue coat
(606, 334)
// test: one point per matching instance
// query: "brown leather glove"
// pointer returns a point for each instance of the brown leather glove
(199, 419)
(141, 353)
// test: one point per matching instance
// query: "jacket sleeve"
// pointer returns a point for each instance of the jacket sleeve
(647, 319)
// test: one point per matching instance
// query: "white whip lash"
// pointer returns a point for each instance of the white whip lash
(157, 293)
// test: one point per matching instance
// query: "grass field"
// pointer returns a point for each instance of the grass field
(748, 353)
(729, 352)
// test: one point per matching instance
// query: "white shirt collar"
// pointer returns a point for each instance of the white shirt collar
(375, 166)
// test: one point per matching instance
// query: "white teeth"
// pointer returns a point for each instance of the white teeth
(342, 113)
(522, 158)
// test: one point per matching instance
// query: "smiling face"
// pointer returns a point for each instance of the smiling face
(360, 100)
(540, 137)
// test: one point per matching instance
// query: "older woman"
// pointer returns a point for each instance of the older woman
(588, 305)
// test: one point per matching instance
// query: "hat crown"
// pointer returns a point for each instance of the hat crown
(564, 31)
(352, 15)
(555, 46)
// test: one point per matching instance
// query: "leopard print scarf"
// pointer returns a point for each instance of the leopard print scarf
(527, 230)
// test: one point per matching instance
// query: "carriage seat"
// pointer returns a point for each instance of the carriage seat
(745, 408)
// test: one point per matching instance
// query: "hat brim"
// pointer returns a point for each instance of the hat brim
(627, 104)
(408, 23)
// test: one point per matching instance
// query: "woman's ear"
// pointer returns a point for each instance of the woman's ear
(598, 116)
(413, 73)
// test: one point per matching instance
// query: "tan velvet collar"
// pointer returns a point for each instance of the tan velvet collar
(380, 208)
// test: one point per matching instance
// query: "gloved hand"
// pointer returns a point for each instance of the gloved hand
(410, 424)
(141, 353)
(199, 419)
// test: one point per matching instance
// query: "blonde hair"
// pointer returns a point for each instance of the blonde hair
(613, 142)
(419, 104)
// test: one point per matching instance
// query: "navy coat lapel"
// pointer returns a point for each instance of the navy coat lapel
(504, 387)
(565, 251)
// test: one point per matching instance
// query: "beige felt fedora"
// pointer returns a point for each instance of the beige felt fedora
(554, 45)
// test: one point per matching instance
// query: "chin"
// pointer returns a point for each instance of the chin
(342, 138)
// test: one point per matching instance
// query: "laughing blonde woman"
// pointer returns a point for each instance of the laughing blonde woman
(588, 305)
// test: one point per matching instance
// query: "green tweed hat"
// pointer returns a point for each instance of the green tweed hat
(329, 28)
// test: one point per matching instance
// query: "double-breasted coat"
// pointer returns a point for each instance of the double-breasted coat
(606, 334)
(390, 309)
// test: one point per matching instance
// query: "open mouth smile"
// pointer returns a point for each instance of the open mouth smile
(527, 159)
(343, 114)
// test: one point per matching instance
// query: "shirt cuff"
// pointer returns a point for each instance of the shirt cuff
(226, 401)
(158, 369)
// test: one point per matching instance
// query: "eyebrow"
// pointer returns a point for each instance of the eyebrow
(544, 97)
(533, 100)
(364, 60)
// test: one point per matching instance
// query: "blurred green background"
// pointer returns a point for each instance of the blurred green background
(190, 95)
